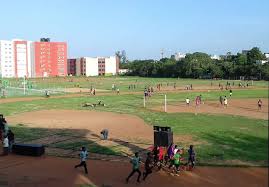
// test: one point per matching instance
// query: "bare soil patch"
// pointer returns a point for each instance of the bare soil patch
(121, 126)
(50, 171)
(238, 107)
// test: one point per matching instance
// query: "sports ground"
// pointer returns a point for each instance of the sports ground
(231, 143)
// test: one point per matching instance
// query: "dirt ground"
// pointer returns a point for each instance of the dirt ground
(121, 126)
(21, 171)
(83, 90)
(237, 107)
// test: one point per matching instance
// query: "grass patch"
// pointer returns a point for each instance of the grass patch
(226, 137)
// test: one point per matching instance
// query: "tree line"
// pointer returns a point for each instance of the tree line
(200, 65)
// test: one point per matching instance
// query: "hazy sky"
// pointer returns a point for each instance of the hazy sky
(141, 27)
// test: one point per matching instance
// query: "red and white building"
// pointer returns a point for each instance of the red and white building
(94, 66)
(21, 58)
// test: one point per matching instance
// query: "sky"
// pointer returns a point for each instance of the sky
(140, 27)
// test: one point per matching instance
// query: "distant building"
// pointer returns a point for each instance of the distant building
(266, 55)
(179, 56)
(261, 61)
(21, 58)
(215, 57)
(245, 52)
(50, 59)
(94, 66)
(15, 58)
(7, 66)
(71, 67)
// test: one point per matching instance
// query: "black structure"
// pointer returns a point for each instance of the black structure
(28, 149)
(44, 39)
(163, 136)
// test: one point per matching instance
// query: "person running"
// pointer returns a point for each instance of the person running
(136, 163)
(231, 93)
(191, 158)
(83, 156)
(260, 104)
(148, 166)
(170, 151)
(187, 101)
(176, 159)
(175, 149)
(225, 102)
(156, 154)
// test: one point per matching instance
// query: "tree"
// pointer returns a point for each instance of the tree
(255, 54)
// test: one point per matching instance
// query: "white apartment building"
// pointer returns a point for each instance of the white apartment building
(7, 67)
(179, 56)
(15, 58)
(215, 57)
(95, 66)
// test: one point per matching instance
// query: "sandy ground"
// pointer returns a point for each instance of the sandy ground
(121, 126)
(237, 107)
(46, 171)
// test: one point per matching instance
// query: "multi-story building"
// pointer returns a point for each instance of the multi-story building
(179, 56)
(21, 58)
(15, 58)
(215, 57)
(71, 66)
(90, 66)
(266, 56)
(50, 59)
(7, 66)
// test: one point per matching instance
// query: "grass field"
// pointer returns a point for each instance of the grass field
(219, 139)
(122, 82)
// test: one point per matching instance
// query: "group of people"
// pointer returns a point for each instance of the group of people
(148, 92)
(188, 87)
(171, 158)
(131, 86)
(198, 101)
(6, 136)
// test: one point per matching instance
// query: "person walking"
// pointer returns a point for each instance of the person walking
(148, 166)
(191, 158)
(136, 164)
(260, 104)
(83, 156)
